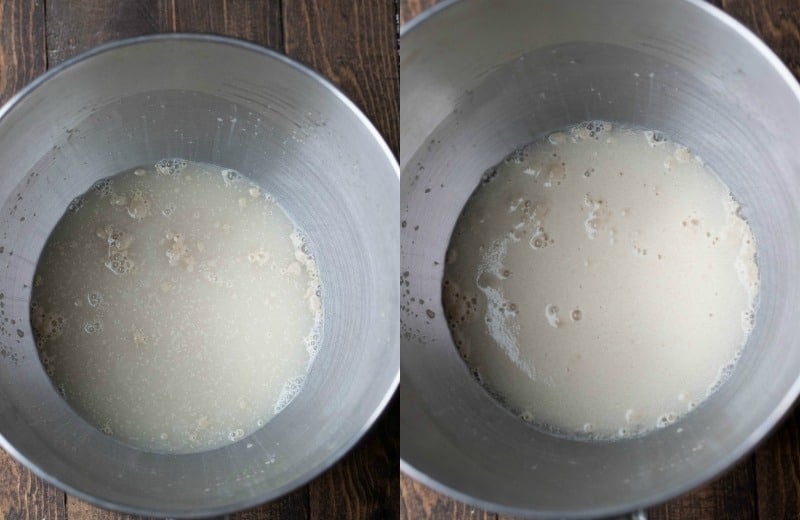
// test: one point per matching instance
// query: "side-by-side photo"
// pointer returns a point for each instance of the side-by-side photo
(399, 259)
(599, 202)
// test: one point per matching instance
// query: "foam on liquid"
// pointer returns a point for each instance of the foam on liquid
(601, 283)
(177, 308)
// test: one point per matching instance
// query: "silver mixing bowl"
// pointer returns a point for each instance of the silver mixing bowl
(234, 104)
(480, 78)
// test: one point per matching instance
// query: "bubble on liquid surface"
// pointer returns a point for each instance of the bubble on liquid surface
(654, 138)
(258, 257)
(230, 176)
(76, 204)
(172, 166)
(666, 419)
(92, 327)
(312, 342)
(117, 239)
(103, 187)
(46, 325)
(289, 392)
(94, 298)
(589, 130)
(551, 313)
(119, 263)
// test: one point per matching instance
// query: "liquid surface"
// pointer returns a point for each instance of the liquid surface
(601, 283)
(176, 308)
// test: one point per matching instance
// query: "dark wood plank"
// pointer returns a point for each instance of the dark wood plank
(73, 27)
(365, 484)
(411, 8)
(22, 44)
(22, 58)
(23, 496)
(255, 21)
(353, 44)
(78, 509)
(730, 496)
(420, 502)
(778, 472)
(293, 506)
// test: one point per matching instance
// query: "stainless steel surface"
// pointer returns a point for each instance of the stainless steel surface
(480, 78)
(238, 105)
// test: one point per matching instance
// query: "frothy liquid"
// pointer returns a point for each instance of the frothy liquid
(176, 307)
(601, 282)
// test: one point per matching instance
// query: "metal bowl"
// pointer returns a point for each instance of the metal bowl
(481, 78)
(234, 104)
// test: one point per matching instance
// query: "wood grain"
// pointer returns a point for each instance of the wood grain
(22, 44)
(22, 57)
(341, 40)
(730, 496)
(77, 508)
(293, 506)
(255, 21)
(73, 27)
(418, 501)
(411, 8)
(23, 496)
(765, 485)
(778, 472)
(34, 36)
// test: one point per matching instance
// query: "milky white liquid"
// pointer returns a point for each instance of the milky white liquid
(176, 307)
(601, 282)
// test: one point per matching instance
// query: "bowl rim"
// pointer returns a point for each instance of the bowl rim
(335, 455)
(748, 444)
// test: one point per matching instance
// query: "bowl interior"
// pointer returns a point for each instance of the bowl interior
(225, 102)
(481, 79)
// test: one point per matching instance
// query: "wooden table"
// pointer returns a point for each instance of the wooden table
(352, 43)
(766, 484)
